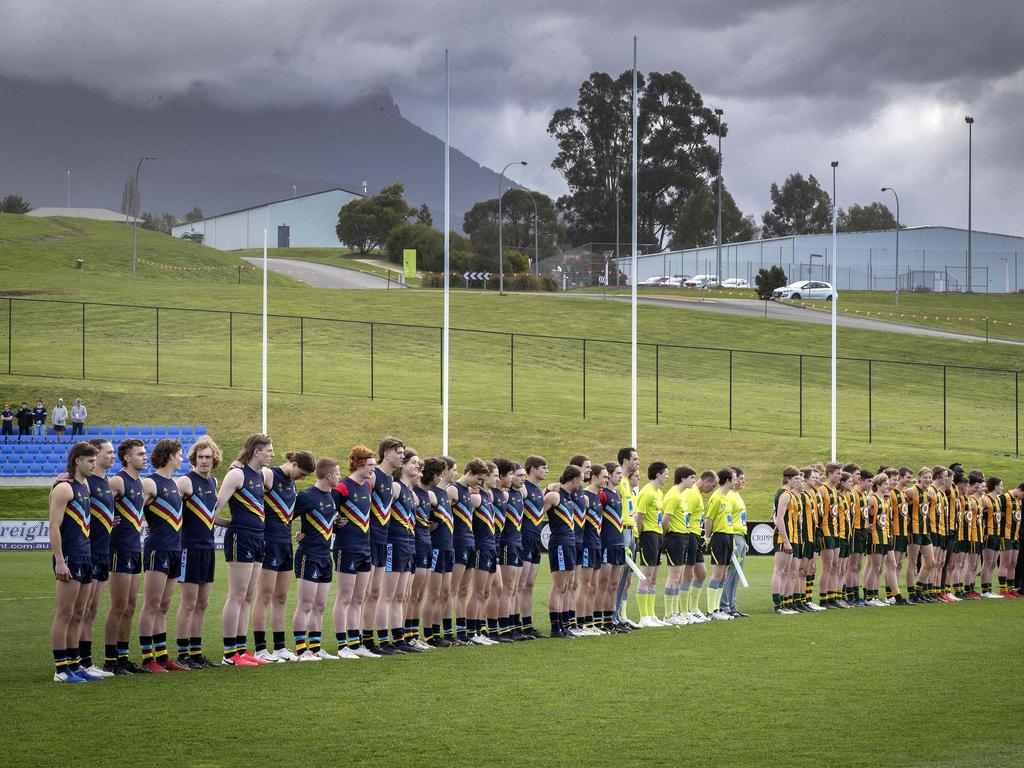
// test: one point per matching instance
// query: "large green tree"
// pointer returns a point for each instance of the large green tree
(866, 218)
(364, 224)
(480, 223)
(14, 204)
(429, 246)
(698, 218)
(595, 146)
(799, 207)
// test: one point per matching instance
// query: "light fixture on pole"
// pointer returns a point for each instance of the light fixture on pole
(501, 254)
(718, 220)
(295, 191)
(835, 299)
(136, 197)
(890, 189)
(970, 138)
(536, 250)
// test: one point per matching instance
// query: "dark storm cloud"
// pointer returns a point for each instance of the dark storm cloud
(881, 85)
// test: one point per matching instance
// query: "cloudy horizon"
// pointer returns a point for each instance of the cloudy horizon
(882, 87)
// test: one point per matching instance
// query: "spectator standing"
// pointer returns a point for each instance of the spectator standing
(59, 417)
(39, 414)
(78, 415)
(24, 416)
(7, 422)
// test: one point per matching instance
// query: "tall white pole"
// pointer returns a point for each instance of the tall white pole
(835, 300)
(264, 389)
(633, 268)
(447, 271)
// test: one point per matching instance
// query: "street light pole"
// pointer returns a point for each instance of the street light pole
(135, 218)
(970, 137)
(295, 191)
(501, 251)
(890, 189)
(718, 223)
(68, 171)
(536, 250)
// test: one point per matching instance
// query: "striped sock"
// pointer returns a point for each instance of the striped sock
(300, 641)
(146, 643)
(313, 642)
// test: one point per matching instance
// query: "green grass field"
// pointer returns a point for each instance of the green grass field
(866, 686)
(911, 687)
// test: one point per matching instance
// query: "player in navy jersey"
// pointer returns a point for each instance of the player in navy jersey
(533, 520)
(591, 553)
(101, 512)
(558, 507)
(579, 503)
(125, 553)
(465, 498)
(401, 554)
(161, 555)
(438, 474)
(316, 511)
(198, 491)
(423, 556)
(351, 553)
(72, 562)
(511, 477)
(276, 575)
(485, 572)
(242, 493)
(613, 550)
(389, 459)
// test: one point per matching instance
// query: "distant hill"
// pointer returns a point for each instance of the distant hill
(219, 158)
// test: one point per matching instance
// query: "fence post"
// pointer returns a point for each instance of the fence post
(801, 395)
(371, 361)
(657, 383)
(158, 345)
(584, 378)
(869, 401)
(231, 349)
(512, 372)
(83, 339)
(730, 390)
(943, 407)
(302, 355)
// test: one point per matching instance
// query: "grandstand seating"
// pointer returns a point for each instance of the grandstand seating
(44, 456)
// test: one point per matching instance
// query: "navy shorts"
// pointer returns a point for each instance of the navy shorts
(312, 567)
(510, 554)
(531, 549)
(277, 556)
(163, 560)
(351, 561)
(197, 565)
(424, 553)
(243, 546)
(614, 555)
(378, 554)
(465, 555)
(399, 557)
(562, 557)
(591, 558)
(101, 565)
(126, 562)
(487, 559)
(442, 560)
(80, 567)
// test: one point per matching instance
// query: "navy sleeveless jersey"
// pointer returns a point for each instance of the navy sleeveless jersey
(246, 504)
(592, 521)
(163, 515)
(462, 511)
(279, 502)
(402, 526)
(125, 536)
(483, 521)
(512, 532)
(381, 502)
(533, 509)
(560, 518)
(442, 537)
(422, 514)
(579, 514)
(499, 505)
(197, 523)
(611, 524)
(353, 502)
(315, 509)
(74, 527)
(101, 510)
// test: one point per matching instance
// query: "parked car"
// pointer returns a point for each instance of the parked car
(651, 281)
(735, 282)
(195, 237)
(702, 282)
(676, 281)
(805, 289)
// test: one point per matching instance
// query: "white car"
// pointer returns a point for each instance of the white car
(702, 281)
(735, 282)
(805, 289)
(674, 282)
(652, 281)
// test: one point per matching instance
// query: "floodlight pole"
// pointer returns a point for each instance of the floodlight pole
(835, 300)
(890, 189)
(447, 261)
(135, 218)
(970, 139)
(68, 171)
(536, 250)
(633, 267)
(264, 356)
(718, 222)
(501, 252)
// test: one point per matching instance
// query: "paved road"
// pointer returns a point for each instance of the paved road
(323, 275)
(783, 311)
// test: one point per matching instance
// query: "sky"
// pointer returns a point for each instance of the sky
(880, 86)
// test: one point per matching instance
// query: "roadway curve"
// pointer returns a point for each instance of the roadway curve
(323, 275)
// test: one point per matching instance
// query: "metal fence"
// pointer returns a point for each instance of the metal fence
(780, 393)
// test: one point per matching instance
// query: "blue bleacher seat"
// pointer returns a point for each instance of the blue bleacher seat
(105, 431)
(35, 469)
(146, 431)
(20, 470)
(133, 431)
(120, 431)
(160, 431)
(31, 449)
(200, 430)
(174, 430)
(91, 431)
(187, 430)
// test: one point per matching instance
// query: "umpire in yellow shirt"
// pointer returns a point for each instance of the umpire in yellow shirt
(629, 461)
(738, 509)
